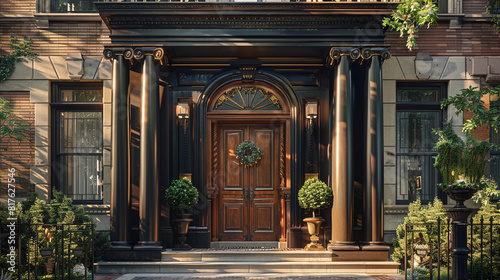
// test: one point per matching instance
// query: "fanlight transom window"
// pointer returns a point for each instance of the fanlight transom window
(248, 98)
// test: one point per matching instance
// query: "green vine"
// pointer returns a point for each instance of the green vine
(19, 50)
(11, 125)
(493, 7)
(410, 16)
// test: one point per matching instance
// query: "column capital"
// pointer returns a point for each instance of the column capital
(356, 54)
(137, 54)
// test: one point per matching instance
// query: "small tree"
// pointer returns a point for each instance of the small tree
(315, 194)
(181, 195)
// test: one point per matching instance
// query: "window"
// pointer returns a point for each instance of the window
(418, 111)
(66, 6)
(77, 140)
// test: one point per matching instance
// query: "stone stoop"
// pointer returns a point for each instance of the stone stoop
(244, 261)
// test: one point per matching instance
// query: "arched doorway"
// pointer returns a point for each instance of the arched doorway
(246, 199)
(257, 122)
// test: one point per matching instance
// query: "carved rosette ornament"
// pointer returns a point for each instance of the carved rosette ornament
(134, 55)
(356, 54)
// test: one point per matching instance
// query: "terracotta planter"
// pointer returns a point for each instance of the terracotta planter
(313, 227)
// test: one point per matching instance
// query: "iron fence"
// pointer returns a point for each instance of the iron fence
(429, 248)
(48, 251)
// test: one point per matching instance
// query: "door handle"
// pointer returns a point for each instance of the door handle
(252, 194)
(245, 194)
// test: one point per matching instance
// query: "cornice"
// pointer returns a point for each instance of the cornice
(120, 15)
(239, 21)
(283, 7)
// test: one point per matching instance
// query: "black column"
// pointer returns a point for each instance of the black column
(148, 183)
(374, 183)
(120, 154)
(341, 153)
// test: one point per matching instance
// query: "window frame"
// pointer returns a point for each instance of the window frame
(419, 107)
(60, 106)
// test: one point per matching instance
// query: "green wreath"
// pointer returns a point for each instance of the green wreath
(248, 153)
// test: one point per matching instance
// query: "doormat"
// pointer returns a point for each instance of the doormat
(256, 277)
(246, 249)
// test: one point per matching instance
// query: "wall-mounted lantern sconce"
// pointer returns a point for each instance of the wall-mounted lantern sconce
(182, 112)
(311, 114)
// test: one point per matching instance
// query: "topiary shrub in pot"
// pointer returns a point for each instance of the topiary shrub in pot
(182, 195)
(314, 195)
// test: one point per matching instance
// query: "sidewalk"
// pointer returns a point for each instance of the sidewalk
(247, 276)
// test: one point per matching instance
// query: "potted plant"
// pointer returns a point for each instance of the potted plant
(47, 250)
(46, 247)
(314, 195)
(182, 195)
(462, 164)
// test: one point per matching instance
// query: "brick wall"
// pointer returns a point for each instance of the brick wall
(9, 7)
(61, 38)
(474, 7)
(18, 154)
(473, 39)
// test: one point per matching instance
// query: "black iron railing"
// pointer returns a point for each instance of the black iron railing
(48, 251)
(428, 250)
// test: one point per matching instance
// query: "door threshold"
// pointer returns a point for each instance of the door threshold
(247, 245)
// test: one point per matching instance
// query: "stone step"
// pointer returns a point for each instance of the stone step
(246, 256)
(371, 267)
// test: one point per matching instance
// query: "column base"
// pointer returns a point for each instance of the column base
(374, 246)
(342, 246)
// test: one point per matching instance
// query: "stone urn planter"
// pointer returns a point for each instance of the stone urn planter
(314, 195)
(460, 195)
(314, 227)
(181, 195)
(182, 230)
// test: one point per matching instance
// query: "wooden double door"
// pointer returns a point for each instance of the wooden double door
(248, 205)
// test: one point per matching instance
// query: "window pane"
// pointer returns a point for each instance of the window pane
(415, 131)
(80, 176)
(417, 178)
(80, 132)
(417, 95)
(80, 95)
(72, 6)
